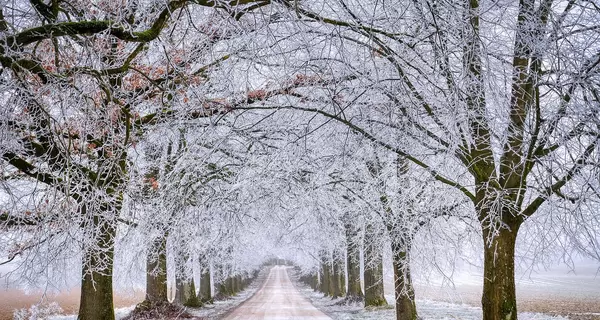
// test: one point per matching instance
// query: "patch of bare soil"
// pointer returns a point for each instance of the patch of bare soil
(575, 309)
(567, 303)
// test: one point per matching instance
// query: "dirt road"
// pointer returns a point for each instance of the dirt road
(277, 299)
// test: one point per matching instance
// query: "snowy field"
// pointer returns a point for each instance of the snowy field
(557, 293)
(428, 309)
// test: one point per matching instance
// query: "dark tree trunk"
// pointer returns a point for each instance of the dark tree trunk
(373, 271)
(405, 293)
(322, 285)
(327, 280)
(156, 273)
(239, 285)
(185, 293)
(97, 268)
(96, 286)
(354, 293)
(185, 289)
(499, 297)
(231, 283)
(205, 287)
(224, 286)
(338, 275)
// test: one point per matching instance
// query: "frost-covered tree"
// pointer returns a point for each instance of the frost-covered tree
(81, 82)
(497, 101)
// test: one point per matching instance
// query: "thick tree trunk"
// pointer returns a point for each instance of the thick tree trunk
(239, 283)
(405, 293)
(373, 271)
(96, 286)
(185, 293)
(327, 280)
(156, 273)
(96, 296)
(205, 294)
(354, 293)
(223, 289)
(499, 298)
(185, 289)
(231, 283)
(338, 275)
(322, 285)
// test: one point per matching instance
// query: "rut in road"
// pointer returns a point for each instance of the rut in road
(277, 299)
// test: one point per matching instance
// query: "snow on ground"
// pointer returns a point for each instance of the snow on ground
(210, 311)
(120, 313)
(222, 307)
(428, 309)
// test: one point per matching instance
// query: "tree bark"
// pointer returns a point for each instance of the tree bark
(224, 286)
(354, 293)
(185, 288)
(239, 283)
(231, 282)
(223, 289)
(156, 272)
(405, 293)
(327, 280)
(96, 286)
(205, 294)
(338, 274)
(373, 271)
(97, 268)
(185, 293)
(499, 297)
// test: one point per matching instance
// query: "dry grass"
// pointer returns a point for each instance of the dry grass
(12, 299)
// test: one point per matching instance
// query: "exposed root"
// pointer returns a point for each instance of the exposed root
(147, 310)
(223, 296)
(350, 301)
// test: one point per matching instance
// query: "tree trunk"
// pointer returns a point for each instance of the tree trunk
(205, 294)
(96, 295)
(185, 293)
(405, 293)
(373, 271)
(354, 293)
(499, 298)
(223, 290)
(322, 285)
(239, 284)
(156, 272)
(96, 286)
(97, 268)
(185, 289)
(231, 282)
(338, 274)
(224, 287)
(327, 281)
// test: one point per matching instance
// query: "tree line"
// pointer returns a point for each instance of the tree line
(175, 124)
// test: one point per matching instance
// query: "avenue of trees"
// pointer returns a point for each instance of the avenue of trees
(214, 135)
